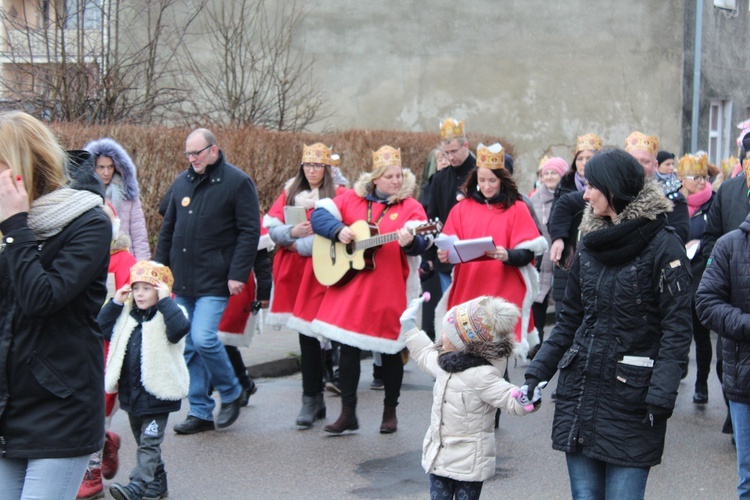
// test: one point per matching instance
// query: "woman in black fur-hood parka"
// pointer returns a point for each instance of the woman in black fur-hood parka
(623, 339)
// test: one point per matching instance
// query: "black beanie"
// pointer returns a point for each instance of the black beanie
(664, 156)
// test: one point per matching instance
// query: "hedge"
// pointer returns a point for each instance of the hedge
(269, 157)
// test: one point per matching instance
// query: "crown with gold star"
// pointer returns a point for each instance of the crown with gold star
(451, 129)
(638, 141)
(492, 157)
(588, 142)
(693, 165)
(151, 272)
(386, 156)
(317, 153)
(727, 166)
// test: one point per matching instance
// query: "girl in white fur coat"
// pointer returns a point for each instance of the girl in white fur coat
(468, 366)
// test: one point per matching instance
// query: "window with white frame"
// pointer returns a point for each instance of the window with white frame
(719, 130)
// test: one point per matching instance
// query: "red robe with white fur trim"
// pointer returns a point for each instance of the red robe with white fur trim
(309, 297)
(288, 268)
(237, 326)
(365, 312)
(511, 228)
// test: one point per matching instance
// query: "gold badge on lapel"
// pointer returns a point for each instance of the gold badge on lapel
(394, 216)
(186, 201)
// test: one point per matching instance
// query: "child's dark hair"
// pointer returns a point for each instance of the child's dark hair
(617, 175)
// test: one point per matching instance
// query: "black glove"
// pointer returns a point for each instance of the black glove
(656, 414)
(531, 383)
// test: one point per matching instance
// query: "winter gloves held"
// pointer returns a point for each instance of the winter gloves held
(656, 415)
(409, 316)
(530, 394)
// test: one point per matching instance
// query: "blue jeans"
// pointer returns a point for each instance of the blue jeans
(206, 358)
(445, 280)
(42, 477)
(592, 479)
(741, 424)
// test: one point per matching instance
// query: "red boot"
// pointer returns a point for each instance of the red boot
(110, 463)
(91, 487)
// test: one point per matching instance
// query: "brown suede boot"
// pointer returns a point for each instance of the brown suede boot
(390, 422)
(347, 421)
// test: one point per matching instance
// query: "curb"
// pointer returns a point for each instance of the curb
(277, 368)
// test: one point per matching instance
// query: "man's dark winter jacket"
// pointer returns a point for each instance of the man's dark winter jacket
(723, 304)
(728, 210)
(210, 231)
(639, 304)
(445, 186)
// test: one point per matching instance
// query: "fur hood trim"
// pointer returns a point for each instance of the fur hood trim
(120, 242)
(123, 164)
(364, 186)
(649, 204)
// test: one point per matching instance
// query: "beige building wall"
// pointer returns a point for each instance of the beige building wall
(536, 72)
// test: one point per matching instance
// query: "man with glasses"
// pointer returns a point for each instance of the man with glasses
(446, 184)
(644, 149)
(209, 239)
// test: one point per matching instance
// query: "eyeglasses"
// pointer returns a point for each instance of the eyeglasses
(696, 178)
(188, 154)
(313, 166)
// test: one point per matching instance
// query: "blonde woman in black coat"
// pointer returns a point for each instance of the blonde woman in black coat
(53, 271)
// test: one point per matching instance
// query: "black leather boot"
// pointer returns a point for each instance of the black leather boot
(313, 408)
(347, 421)
(390, 422)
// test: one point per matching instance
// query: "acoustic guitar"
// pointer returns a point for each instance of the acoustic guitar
(336, 264)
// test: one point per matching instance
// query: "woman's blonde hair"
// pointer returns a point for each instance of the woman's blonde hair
(30, 149)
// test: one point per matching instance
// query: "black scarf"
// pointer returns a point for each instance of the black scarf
(454, 361)
(500, 198)
(621, 243)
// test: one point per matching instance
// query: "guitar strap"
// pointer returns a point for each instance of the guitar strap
(369, 213)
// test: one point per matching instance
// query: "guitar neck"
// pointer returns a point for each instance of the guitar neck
(375, 241)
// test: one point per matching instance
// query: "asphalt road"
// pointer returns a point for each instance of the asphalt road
(263, 455)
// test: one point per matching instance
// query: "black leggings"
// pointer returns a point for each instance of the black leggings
(349, 370)
(443, 487)
(703, 349)
(311, 364)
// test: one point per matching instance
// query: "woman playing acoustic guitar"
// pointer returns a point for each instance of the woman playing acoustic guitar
(364, 313)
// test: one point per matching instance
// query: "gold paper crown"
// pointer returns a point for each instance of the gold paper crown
(151, 272)
(386, 156)
(695, 165)
(317, 153)
(492, 157)
(543, 161)
(727, 166)
(588, 142)
(746, 167)
(638, 141)
(451, 129)
(335, 160)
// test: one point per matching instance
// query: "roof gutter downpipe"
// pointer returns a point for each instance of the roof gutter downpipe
(697, 53)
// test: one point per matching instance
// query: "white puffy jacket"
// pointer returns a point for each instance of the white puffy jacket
(460, 443)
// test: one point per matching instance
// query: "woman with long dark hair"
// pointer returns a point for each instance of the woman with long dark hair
(494, 207)
(624, 337)
(296, 293)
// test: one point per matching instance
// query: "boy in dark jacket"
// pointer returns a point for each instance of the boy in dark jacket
(146, 365)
